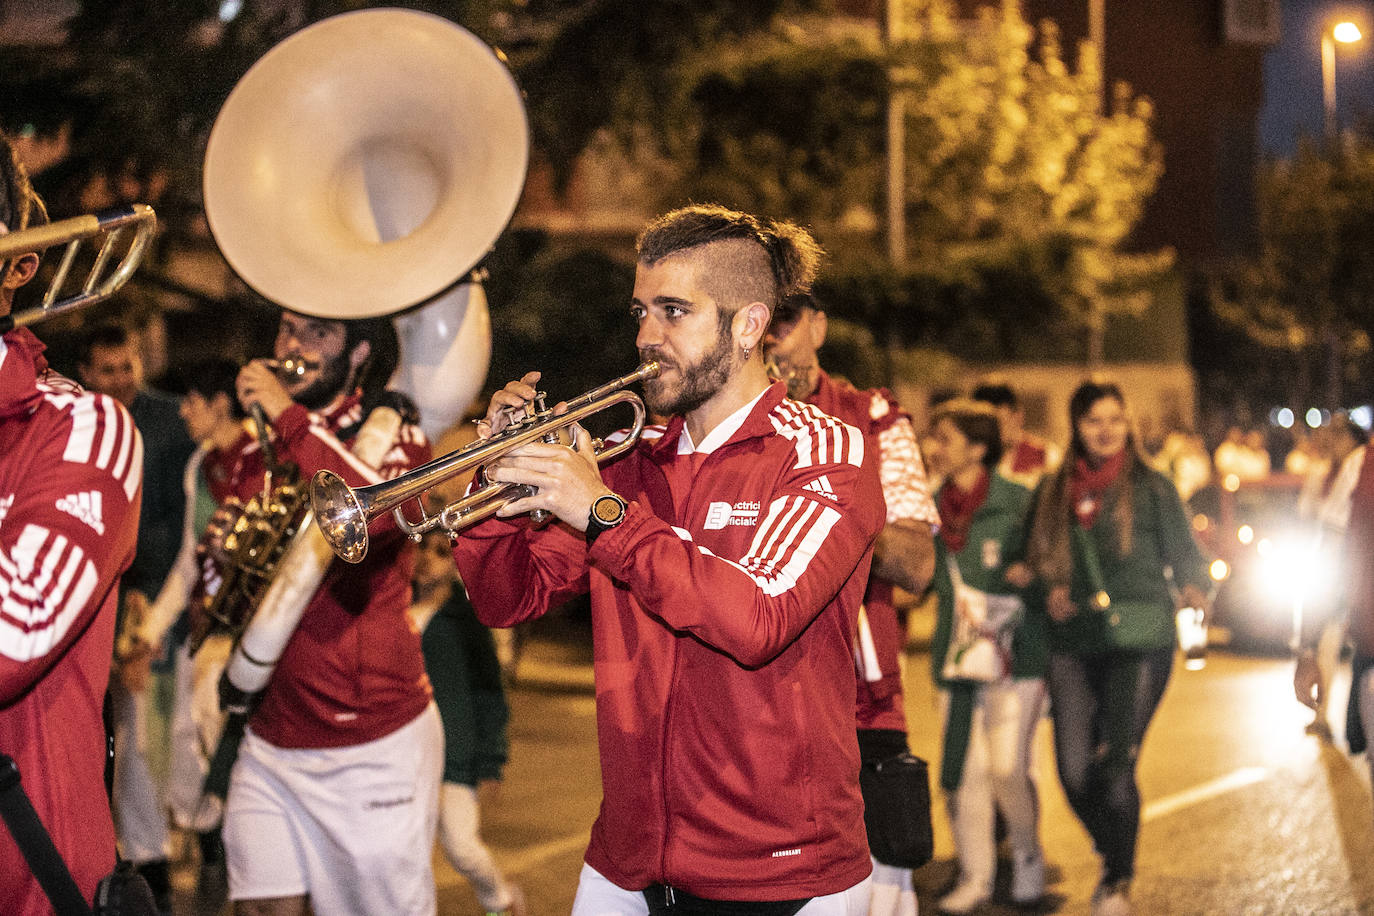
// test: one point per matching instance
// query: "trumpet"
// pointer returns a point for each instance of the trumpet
(343, 513)
(103, 280)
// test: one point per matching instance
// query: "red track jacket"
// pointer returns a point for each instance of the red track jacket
(71, 465)
(723, 635)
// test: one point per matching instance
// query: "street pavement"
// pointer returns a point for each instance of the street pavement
(1243, 812)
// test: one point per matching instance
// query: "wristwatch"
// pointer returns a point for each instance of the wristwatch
(608, 511)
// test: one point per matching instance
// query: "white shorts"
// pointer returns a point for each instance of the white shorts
(597, 895)
(351, 827)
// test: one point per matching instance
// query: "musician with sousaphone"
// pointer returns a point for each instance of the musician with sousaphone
(397, 147)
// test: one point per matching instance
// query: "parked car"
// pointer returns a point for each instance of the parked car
(1270, 556)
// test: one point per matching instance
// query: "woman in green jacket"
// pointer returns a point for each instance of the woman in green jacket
(1105, 532)
(989, 727)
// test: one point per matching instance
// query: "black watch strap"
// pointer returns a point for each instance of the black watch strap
(607, 512)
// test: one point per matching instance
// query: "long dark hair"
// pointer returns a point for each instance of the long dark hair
(1047, 550)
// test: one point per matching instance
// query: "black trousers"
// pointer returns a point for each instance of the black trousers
(1101, 706)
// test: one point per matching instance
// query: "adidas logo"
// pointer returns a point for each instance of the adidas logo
(821, 486)
(84, 506)
(5, 504)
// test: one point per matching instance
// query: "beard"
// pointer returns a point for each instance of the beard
(330, 381)
(699, 381)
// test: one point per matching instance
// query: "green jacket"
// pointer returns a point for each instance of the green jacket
(994, 542)
(1141, 615)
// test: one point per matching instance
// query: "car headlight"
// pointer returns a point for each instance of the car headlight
(1294, 571)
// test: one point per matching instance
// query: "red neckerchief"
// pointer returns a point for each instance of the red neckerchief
(20, 368)
(957, 508)
(1028, 457)
(1087, 484)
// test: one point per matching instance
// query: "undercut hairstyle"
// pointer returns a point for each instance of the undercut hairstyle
(978, 423)
(210, 377)
(753, 259)
(998, 394)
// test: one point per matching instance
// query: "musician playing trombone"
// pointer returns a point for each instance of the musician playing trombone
(333, 798)
(70, 478)
(726, 556)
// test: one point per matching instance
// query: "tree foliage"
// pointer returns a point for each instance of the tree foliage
(1017, 182)
(1310, 292)
(1011, 152)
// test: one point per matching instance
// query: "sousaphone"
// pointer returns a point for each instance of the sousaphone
(363, 167)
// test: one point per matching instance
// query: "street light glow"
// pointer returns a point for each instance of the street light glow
(1346, 32)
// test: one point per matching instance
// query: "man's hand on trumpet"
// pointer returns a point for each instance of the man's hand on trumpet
(566, 479)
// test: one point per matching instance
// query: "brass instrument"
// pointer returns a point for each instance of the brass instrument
(343, 513)
(245, 541)
(104, 279)
(391, 147)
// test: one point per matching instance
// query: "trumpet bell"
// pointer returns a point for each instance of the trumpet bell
(340, 515)
(366, 163)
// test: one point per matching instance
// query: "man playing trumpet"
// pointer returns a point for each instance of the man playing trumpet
(726, 556)
(333, 797)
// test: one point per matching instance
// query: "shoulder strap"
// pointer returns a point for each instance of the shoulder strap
(36, 845)
(1092, 562)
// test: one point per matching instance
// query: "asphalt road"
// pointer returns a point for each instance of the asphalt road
(1244, 813)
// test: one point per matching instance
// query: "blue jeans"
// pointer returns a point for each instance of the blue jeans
(1101, 706)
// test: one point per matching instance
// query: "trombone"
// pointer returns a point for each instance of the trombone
(104, 279)
(343, 513)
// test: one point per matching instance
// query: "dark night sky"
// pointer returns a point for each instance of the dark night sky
(1293, 73)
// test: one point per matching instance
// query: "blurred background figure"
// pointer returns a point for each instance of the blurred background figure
(989, 727)
(1242, 454)
(460, 657)
(1356, 545)
(1183, 459)
(108, 362)
(1324, 507)
(214, 420)
(1025, 456)
(1103, 530)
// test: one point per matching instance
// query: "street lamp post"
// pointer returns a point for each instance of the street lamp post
(1344, 32)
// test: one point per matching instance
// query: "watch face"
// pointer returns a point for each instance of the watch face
(607, 510)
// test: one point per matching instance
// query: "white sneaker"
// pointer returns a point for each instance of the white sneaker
(1028, 878)
(964, 899)
(1113, 900)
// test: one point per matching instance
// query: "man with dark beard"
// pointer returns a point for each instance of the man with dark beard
(726, 556)
(332, 800)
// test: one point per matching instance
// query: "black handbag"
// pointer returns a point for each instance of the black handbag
(896, 793)
(123, 892)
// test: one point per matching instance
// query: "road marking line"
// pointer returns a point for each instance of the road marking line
(1237, 779)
